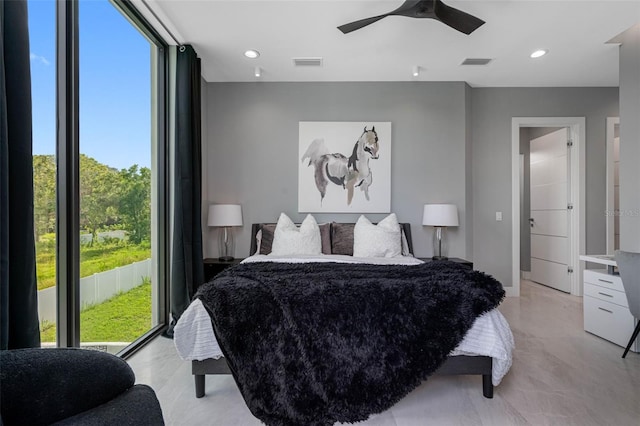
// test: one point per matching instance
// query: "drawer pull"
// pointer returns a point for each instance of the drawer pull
(606, 310)
(605, 294)
(605, 281)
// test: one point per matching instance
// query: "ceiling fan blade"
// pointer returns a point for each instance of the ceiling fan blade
(356, 25)
(456, 19)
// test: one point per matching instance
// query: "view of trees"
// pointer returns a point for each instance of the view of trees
(44, 194)
(115, 221)
(109, 199)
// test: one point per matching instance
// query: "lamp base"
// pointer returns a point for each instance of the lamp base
(226, 244)
(439, 244)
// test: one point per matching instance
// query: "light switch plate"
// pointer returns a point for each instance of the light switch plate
(499, 216)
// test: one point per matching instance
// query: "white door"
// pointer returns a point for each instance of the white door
(550, 186)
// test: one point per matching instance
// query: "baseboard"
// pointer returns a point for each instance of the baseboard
(525, 275)
(512, 291)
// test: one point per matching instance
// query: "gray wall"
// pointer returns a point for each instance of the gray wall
(630, 140)
(525, 205)
(451, 144)
(492, 111)
(253, 153)
(468, 166)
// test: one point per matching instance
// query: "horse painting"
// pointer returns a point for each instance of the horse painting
(348, 172)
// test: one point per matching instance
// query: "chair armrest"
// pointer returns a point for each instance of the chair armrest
(137, 406)
(42, 386)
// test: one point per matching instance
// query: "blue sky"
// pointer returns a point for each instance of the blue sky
(115, 95)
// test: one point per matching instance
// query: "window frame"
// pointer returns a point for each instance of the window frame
(68, 176)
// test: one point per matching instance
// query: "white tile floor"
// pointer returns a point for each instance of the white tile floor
(561, 375)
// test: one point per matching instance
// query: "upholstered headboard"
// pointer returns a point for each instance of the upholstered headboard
(335, 228)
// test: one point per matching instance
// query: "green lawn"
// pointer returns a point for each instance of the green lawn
(123, 318)
(93, 259)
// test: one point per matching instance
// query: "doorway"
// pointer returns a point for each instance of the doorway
(548, 213)
(575, 131)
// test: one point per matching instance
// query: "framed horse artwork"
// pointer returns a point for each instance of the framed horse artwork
(344, 167)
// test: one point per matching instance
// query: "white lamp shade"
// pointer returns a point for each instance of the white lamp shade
(440, 215)
(225, 215)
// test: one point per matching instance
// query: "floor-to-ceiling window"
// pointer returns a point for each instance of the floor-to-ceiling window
(42, 38)
(111, 236)
(115, 178)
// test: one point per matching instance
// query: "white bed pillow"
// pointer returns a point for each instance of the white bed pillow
(381, 240)
(288, 239)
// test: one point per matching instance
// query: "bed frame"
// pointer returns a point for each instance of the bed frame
(454, 365)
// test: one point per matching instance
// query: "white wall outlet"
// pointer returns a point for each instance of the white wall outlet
(498, 216)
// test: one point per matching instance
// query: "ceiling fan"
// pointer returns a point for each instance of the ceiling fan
(433, 9)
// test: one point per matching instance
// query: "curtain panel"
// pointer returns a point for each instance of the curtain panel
(187, 271)
(19, 326)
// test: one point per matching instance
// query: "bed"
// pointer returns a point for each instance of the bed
(485, 349)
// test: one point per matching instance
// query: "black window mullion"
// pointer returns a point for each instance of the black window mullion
(163, 181)
(68, 176)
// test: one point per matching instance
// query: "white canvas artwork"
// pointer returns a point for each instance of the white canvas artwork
(344, 167)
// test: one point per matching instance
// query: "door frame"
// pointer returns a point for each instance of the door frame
(577, 244)
(611, 123)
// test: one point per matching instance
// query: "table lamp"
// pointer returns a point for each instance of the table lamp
(225, 216)
(440, 216)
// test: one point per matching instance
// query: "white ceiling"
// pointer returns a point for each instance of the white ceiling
(574, 32)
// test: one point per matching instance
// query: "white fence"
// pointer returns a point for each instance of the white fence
(97, 288)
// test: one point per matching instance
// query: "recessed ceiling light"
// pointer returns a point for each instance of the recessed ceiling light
(539, 53)
(252, 54)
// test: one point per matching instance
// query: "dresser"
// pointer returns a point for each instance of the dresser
(606, 310)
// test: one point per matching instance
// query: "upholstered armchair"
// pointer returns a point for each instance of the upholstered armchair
(629, 268)
(72, 387)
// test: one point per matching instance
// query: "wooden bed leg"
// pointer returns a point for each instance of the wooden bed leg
(199, 378)
(487, 386)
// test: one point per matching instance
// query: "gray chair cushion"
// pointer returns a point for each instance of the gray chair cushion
(629, 267)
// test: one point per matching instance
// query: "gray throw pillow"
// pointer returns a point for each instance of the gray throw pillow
(342, 238)
(267, 238)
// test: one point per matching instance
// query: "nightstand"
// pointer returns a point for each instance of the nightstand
(462, 262)
(213, 266)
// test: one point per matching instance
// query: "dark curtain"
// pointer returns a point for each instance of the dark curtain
(186, 261)
(19, 327)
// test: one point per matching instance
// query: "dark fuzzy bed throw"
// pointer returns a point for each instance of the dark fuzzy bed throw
(319, 343)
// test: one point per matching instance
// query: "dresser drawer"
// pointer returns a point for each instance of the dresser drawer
(609, 321)
(606, 294)
(603, 279)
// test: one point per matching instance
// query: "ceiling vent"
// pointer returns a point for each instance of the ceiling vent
(307, 62)
(476, 61)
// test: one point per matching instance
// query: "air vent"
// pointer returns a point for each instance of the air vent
(476, 61)
(307, 62)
